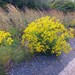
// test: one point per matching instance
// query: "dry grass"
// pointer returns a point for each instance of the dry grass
(31, 15)
(14, 17)
(67, 19)
(4, 20)
(11, 18)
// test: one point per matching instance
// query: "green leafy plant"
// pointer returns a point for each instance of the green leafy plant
(65, 6)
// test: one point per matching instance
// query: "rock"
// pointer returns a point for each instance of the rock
(69, 69)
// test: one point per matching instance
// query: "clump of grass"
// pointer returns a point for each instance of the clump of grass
(66, 19)
(2, 70)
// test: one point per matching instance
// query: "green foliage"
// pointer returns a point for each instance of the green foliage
(20, 3)
(5, 44)
(28, 3)
(2, 71)
(68, 7)
(5, 54)
(13, 31)
(38, 4)
(11, 52)
(65, 6)
(18, 55)
(2, 3)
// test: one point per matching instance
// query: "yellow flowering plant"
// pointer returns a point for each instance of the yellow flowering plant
(47, 35)
(5, 46)
(5, 38)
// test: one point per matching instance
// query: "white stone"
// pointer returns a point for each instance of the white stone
(69, 69)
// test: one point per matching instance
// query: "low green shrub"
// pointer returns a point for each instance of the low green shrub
(65, 6)
(18, 55)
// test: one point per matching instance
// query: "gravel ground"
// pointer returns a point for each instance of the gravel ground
(44, 65)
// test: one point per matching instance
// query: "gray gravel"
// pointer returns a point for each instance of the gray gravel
(44, 65)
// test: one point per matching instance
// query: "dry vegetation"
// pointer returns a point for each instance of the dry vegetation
(13, 17)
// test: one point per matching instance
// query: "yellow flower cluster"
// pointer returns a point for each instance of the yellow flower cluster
(47, 34)
(5, 38)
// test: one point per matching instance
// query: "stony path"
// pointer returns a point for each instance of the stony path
(45, 65)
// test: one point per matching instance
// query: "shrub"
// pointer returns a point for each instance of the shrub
(40, 4)
(46, 35)
(5, 43)
(68, 7)
(19, 3)
(3, 3)
(5, 38)
(65, 6)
